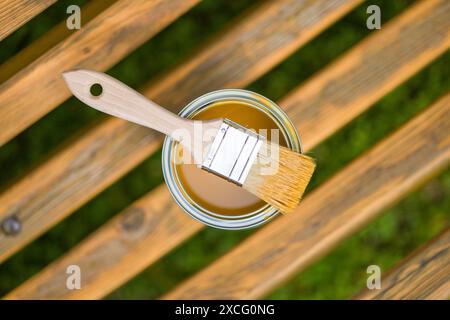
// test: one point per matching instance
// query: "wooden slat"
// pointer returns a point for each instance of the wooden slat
(371, 69)
(48, 40)
(81, 170)
(15, 13)
(151, 225)
(332, 212)
(425, 274)
(115, 269)
(99, 44)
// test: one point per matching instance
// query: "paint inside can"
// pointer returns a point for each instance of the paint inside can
(210, 191)
(211, 199)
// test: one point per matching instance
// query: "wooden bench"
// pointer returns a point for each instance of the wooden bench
(423, 275)
(114, 253)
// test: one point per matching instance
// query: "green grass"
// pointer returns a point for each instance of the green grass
(414, 220)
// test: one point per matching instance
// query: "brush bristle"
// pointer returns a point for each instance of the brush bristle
(283, 187)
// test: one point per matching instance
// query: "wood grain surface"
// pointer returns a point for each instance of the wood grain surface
(84, 168)
(425, 274)
(370, 70)
(15, 13)
(101, 268)
(332, 212)
(154, 225)
(48, 40)
(120, 249)
(99, 44)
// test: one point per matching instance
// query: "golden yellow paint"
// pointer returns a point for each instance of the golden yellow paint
(211, 192)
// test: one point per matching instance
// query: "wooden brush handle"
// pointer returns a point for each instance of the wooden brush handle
(119, 100)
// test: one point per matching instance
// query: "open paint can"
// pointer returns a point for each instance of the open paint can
(211, 199)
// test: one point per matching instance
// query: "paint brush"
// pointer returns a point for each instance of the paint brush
(272, 172)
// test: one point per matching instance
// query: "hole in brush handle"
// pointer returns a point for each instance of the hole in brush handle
(96, 90)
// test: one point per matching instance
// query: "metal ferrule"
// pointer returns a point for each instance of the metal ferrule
(233, 152)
